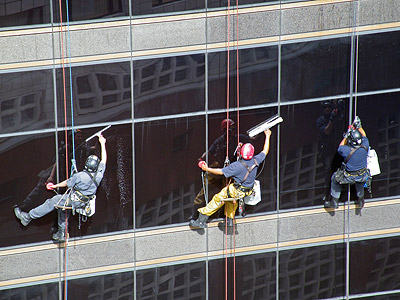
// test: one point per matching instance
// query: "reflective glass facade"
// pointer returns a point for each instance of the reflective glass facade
(166, 109)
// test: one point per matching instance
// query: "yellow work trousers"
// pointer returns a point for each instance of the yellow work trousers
(216, 202)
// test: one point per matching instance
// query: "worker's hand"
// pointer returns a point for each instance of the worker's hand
(203, 165)
(50, 186)
(102, 139)
(268, 132)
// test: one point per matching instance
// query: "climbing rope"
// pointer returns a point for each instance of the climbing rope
(73, 161)
(227, 140)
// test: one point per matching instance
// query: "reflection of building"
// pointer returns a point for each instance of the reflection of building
(161, 82)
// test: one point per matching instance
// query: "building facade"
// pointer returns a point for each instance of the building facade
(164, 74)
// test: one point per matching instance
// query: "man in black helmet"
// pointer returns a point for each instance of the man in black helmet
(354, 149)
(83, 187)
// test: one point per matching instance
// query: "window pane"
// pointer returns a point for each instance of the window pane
(255, 277)
(374, 265)
(90, 9)
(180, 282)
(309, 152)
(166, 155)
(169, 85)
(17, 13)
(47, 291)
(258, 74)
(112, 286)
(315, 69)
(312, 273)
(26, 101)
(380, 117)
(100, 93)
(378, 61)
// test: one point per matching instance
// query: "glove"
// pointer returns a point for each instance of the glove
(50, 186)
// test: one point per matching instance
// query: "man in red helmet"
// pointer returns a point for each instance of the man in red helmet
(243, 172)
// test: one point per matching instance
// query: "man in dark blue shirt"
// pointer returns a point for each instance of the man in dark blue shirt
(243, 172)
(354, 149)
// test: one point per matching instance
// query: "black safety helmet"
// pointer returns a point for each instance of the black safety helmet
(92, 163)
(354, 137)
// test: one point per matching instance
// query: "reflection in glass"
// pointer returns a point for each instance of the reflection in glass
(312, 273)
(378, 57)
(24, 184)
(112, 286)
(255, 277)
(150, 7)
(21, 13)
(224, 3)
(47, 291)
(100, 93)
(179, 282)
(309, 151)
(380, 117)
(258, 74)
(90, 9)
(315, 69)
(374, 265)
(169, 85)
(28, 161)
(26, 101)
(166, 155)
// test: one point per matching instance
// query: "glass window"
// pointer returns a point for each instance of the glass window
(39, 291)
(380, 118)
(308, 154)
(313, 272)
(224, 3)
(90, 9)
(255, 277)
(168, 177)
(315, 69)
(24, 184)
(169, 85)
(100, 93)
(217, 154)
(22, 13)
(180, 282)
(374, 265)
(378, 61)
(150, 7)
(258, 74)
(111, 286)
(26, 101)
(29, 161)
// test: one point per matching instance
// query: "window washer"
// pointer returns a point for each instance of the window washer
(243, 172)
(82, 186)
(354, 149)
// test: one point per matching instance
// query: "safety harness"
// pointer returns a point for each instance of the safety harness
(246, 190)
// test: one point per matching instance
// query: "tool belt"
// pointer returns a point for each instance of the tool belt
(78, 196)
(242, 188)
(357, 173)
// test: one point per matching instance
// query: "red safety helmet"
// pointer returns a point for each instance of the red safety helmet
(226, 122)
(247, 151)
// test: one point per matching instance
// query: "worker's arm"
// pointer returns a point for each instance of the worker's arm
(362, 131)
(216, 171)
(59, 185)
(266, 143)
(102, 142)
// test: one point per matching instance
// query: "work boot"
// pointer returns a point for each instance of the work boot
(361, 202)
(59, 236)
(333, 203)
(201, 222)
(22, 216)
